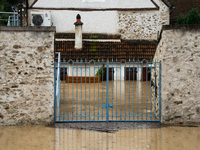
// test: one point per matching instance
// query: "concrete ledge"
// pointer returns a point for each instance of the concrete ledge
(35, 29)
(182, 27)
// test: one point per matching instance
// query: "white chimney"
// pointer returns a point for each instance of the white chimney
(78, 33)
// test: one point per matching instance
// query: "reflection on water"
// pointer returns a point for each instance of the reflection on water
(49, 138)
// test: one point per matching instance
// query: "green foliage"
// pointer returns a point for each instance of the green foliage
(93, 49)
(99, 72)
(6, 6)
(94, 36)
(193, 17)
(3, 16)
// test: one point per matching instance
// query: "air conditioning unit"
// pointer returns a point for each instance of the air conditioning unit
(41, 18)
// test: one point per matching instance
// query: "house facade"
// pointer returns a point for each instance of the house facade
(107, 26)
(132, 19)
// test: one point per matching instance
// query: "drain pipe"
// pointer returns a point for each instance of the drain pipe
(78, 33)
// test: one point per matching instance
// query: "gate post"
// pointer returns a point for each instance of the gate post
(107, 91)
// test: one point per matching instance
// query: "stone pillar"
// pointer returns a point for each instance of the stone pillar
(78, 33)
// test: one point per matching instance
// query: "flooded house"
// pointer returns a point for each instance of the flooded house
(121, 31)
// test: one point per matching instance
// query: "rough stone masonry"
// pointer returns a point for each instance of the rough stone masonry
(26, 75)
(179, 52)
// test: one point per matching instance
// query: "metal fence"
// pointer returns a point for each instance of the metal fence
(89, 91)
(12, 20)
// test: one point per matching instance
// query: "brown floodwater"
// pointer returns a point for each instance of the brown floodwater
(129, 99)
(50, 138)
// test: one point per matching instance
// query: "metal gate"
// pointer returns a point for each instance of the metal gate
(83, 95)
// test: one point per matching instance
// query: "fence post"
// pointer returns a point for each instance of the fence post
(107, 91)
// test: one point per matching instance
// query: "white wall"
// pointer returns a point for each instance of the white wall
(97, 5)
(93, 22)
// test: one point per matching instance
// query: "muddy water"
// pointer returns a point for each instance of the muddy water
(49, 138)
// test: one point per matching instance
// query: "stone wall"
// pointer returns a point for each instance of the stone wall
(179, 51)
(143, 24)
(26, 75)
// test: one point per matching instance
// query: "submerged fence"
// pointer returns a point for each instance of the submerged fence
(107, 91)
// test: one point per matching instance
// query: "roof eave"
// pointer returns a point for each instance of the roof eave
(167, 3)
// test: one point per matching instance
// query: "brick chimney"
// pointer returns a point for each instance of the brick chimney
(78, 33)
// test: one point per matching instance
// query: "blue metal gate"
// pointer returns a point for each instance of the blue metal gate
(103, 90)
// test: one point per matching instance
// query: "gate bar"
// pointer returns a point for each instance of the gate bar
(107, 91)
(160, 91)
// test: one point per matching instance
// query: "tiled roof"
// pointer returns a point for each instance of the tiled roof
(87, 36)
(111, 50)
(183, 7)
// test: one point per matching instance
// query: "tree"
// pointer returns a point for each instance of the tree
(3, 16)
(193, 17)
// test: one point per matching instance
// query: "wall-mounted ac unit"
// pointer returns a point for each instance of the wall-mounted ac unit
(40, 18)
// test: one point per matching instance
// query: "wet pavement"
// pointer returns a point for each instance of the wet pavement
(119, 136)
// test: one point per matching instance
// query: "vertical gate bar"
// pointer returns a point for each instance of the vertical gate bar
(151, 91)
(102, 91)
(125, 91)
(116, 89)
(133, 86)
(94, 90)
(89, 90)
(129, 87)
(120, 92)
(72, 89)
(112, 87)
(68, 90)
(107, 91)
(13, 24)
(81, 86)
(98, 87)
(142, 68)
(59, 89)
(146, 87)
(85, 87)
(138, 70)
(17, 20)
(155, 92)
(64, 91)
(55, 101)
(160, 91)
(76, 88)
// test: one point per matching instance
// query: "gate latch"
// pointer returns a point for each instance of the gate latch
(109, 106)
